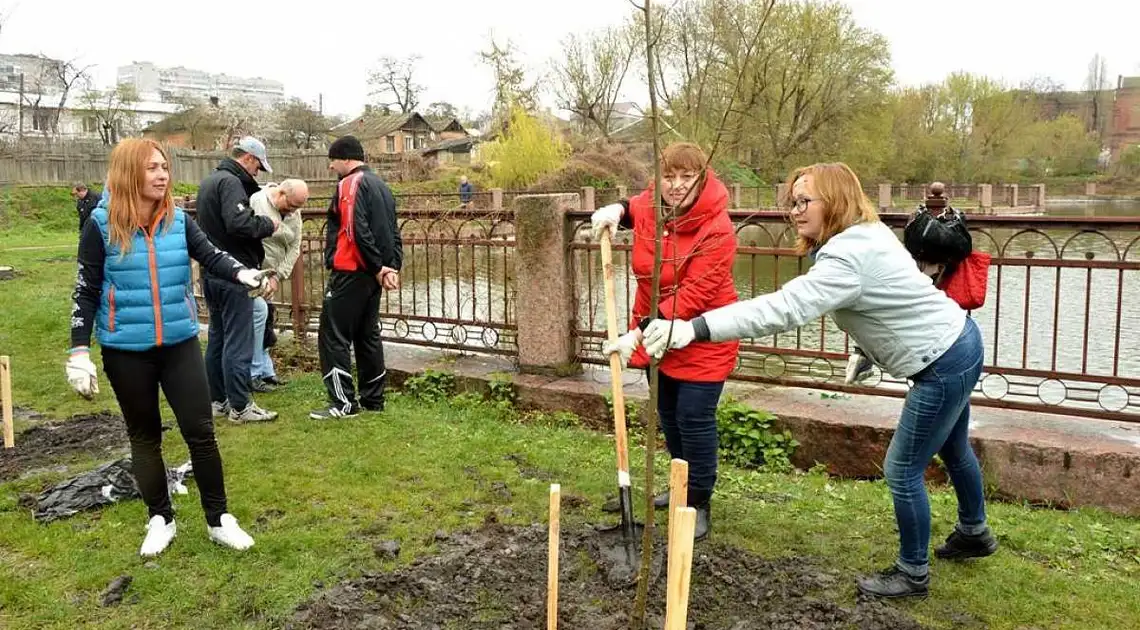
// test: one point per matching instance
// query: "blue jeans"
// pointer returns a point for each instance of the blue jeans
(936, 419)
(229, 350)
(262, 365)
(688, 419)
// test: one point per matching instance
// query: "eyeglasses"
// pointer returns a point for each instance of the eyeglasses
(800, 205)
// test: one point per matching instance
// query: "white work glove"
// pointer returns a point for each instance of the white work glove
(624, 346)
(81, 373)
(858, 367)
(606, 218)
(667, 334)
(254, 279)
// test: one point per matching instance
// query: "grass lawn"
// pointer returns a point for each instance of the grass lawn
(318, 496)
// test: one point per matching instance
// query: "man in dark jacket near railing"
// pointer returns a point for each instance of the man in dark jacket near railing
(364, 253)
(226, 216)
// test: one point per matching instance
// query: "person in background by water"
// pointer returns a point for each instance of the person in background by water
(864, 277)
(699, 248)
(282, 204)
(134, 289)
(466, 192)
(85, 202)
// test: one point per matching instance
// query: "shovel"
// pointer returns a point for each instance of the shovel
(628, 527)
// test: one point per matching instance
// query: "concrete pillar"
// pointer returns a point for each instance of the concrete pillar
(496, 198)
(1039, 197)
(544, 283)
(1090, 189)
(783, 195)
(1013, 194)
(885, 201)
(986, 197)
(736, 195)
(587, 196)
(623, 192)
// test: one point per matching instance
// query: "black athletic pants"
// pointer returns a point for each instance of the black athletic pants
(179, 370)
(350, 317)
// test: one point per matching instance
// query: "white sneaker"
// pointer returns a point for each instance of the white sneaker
(220, 409)
(230, 534)
(159, 533)
(252, 413)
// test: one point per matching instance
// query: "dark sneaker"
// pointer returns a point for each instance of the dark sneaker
(894, 583)
(959, 546)
(661, 501)
(262, 386)
(704, 523)
(335, 411)
(274, 381)
(375, 408)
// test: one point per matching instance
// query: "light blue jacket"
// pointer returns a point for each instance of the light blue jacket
(874, 291)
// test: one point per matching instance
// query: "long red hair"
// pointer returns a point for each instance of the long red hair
(126, 177)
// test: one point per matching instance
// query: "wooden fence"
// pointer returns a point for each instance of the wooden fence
(66, 167)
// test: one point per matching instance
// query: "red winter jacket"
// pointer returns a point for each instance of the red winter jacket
(699, 249)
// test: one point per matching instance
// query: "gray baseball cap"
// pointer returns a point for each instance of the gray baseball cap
(256, 148)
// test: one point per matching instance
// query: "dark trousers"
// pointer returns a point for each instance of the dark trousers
(688, 419)
(178, 369)
(229, 350)
(350, 316)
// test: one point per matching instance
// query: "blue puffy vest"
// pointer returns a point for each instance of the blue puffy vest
(148, 297)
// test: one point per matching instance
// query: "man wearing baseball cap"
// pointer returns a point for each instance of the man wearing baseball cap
(226, 216)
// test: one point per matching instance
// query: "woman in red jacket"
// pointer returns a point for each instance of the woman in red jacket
(698, 251)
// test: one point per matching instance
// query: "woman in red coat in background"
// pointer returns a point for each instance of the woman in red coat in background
(698, 251)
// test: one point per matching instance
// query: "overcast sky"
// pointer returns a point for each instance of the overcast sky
(328, 47)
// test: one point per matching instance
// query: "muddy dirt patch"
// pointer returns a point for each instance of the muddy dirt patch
(46, 444)
(494, 579)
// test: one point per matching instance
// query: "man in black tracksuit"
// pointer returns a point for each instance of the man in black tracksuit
(225, 215)
(364, 253)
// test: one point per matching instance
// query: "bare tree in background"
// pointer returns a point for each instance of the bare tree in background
(1096, 82)
(69, 74)
(111, 110)
(511, 87)
(392, 83)
(590, 75)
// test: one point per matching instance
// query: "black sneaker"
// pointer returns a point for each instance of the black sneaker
(335, 411)
(894, 583)
(372, 407)
(959, 546)
(274, 381)
(661, 501)
(262, 386)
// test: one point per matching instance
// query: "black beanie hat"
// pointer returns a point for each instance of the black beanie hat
(346, 148)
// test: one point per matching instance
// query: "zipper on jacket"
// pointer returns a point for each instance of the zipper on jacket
(111, 309)
(155, 295)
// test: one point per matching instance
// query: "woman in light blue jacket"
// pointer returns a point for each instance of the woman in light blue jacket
(864, 277)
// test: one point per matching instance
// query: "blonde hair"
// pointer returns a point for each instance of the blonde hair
(126, 177)
(838, 189)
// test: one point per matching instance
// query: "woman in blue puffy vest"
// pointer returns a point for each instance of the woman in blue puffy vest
(134, 289)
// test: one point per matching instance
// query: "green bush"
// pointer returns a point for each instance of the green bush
(747, 438)
(430, 386)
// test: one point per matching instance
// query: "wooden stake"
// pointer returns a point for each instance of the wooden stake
(680, 568)
(552, 563)
(6, 395)
(678, 492)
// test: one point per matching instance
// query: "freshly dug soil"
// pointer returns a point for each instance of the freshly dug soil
(46, 444)
(495, 578)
